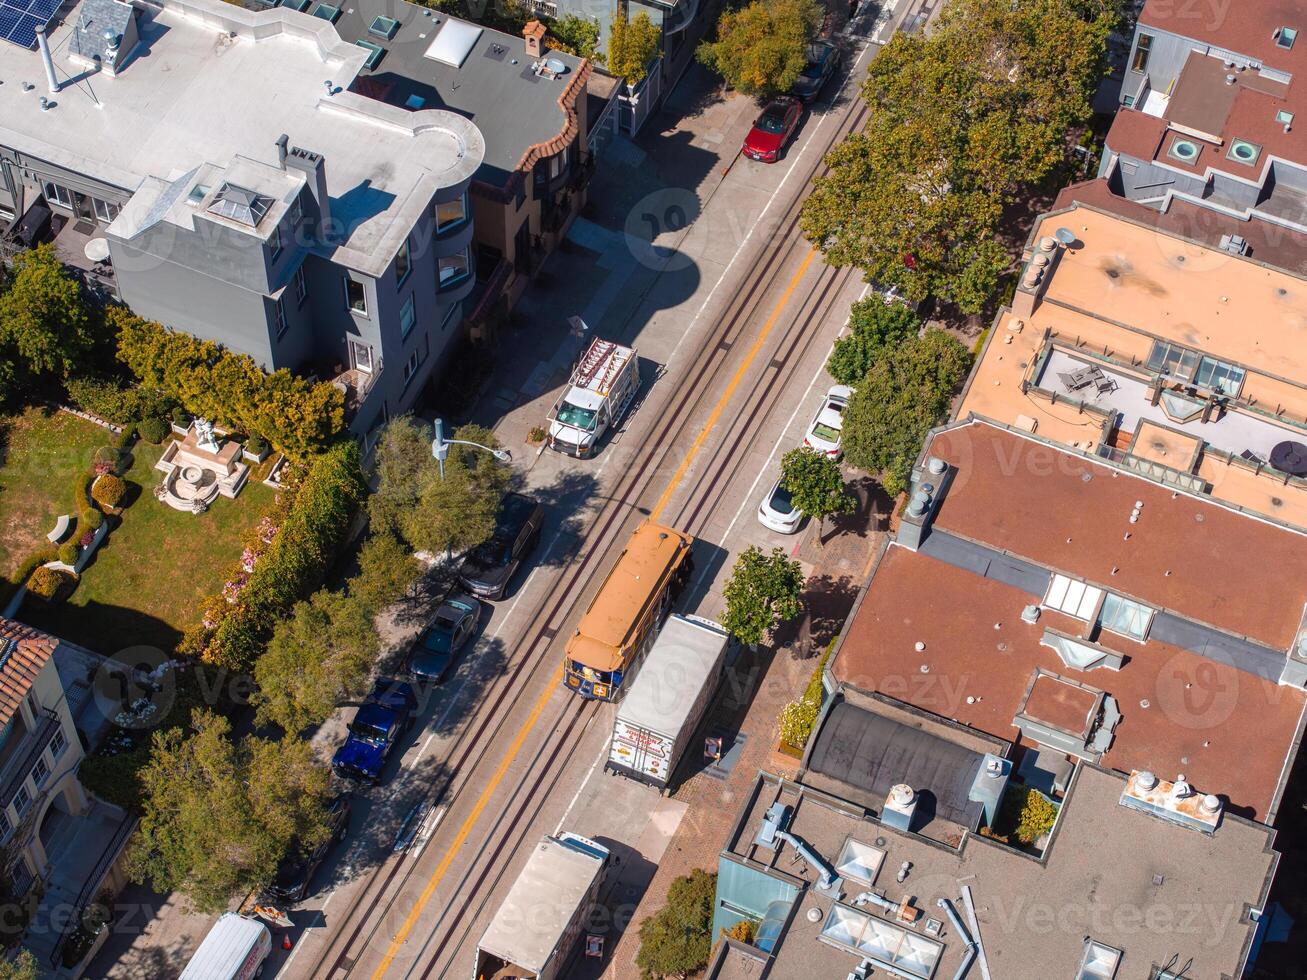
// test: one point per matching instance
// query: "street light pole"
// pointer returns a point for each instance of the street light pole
(440, 447)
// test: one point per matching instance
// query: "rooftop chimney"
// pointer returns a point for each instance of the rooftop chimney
(283, 141)
(314, 167)
(43, 43)
(534, 32)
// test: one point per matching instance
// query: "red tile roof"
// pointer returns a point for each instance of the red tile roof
(1228, 731)
(18, 674)
(1064, 511)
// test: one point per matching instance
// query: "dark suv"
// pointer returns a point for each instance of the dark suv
(489, 567)
(296, 870)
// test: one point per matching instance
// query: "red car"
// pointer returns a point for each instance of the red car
(773, 129)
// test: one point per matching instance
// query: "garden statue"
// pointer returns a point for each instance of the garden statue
(204, 437)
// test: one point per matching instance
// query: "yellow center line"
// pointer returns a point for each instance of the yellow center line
(556, 678)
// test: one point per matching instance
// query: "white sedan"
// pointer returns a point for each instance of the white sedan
(824, 433)
(777, 511)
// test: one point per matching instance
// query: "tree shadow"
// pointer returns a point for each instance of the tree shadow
(827, 602)
(870, 515)
(568, 503)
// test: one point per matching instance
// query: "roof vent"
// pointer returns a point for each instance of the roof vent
(1229, 79)
(936, 466)
(1181, 790)
(1176, 802)
(1030, 614)
(1211, 804)
(1146, 781)
(1234, 244)
(899, 807)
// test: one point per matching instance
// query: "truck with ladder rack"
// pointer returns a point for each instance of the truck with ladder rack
(599, 392)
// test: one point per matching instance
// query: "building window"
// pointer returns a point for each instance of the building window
(453, 268)
(22, 800)
(279, 316)
(411, 367)
(58, 194)
(1285, 37)
(451, 316)
(451, 214)
(274, 242)
(356, 298)
(6, 825)
(407, 317)
(57, 744)
(301, 287)
(104, 211)
(1100, 961)
(557, 164)
(403, 263)
(296, 214)
(1125, 616)
(1142, 47)
(1219, 376)
(40, 772)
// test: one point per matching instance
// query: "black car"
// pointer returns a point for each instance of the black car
(823, 59)
(297, 869)
(435, 651)
(489, 567)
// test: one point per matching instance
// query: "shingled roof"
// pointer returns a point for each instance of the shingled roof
(23, 652)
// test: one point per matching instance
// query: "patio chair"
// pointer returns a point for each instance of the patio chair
(1104, 384)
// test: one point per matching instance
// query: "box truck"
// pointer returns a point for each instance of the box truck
(235, 949)
(671, 694)
(598, 393)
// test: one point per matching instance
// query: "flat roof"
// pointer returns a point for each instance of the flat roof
(1250, 32)
(1125, 879)
(1229, 730)
(494, 86)
(211, 83)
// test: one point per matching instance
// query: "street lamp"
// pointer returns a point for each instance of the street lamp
(440, 448)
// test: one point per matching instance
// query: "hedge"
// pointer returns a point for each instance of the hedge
(49, 584)
(798, 717)
(108, 490)
(68, 552)
(114, 401)
(153, 430)
(299, 418)
(291, 566)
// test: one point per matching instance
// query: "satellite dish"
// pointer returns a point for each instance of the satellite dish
(1065, 235)
(556, 65)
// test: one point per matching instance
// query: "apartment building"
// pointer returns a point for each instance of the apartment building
(214, 166)
(1212, 114)
(1180, 361)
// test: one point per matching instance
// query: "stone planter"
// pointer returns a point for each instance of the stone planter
(75, 971)
(254, 458)
(180, 430)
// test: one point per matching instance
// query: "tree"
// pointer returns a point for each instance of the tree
(762, 592)
(44, 323)
(763, 48)
(906, 394)
(404, 465)
(579, 34)
(816, 485)
(22, 967)
(219, 816)
(677, 940)
(458, 511)
(874, 324)
(387, 572)
(632, 45)
(320, 655)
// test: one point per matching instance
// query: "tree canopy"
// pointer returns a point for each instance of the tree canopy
(218, 816)
(816, 484)
(874, 325)
(904, 395)
(763, 48)
(23, 966)
(961, 118)
(677, 939)
(45, 329)
(762, 592)
(632, 45)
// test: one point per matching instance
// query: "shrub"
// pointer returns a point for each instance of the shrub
(256, 445)
(49, 584)
(1025, 816)
(86, 538)
(114, 401)
(81, 490)
(91, 518)
(743, 931)
(108, 490)
(107, 459)
(68, 552)
(153, 430)
(179, 416)
(677, 939)
(800, 715)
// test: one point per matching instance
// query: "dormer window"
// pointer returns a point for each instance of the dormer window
(1285, 37)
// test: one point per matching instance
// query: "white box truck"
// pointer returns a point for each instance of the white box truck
(600, 390)
(234, 949)
(532, 935)
(671, 694)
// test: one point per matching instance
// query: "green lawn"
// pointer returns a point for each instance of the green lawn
(41, 454)
(147, 581)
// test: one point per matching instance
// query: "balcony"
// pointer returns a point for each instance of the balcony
(356, 384)
(68, 237)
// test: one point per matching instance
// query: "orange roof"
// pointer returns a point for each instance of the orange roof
(19, 671)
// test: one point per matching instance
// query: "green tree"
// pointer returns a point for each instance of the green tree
(579, 34)
(763, 48)
(763, 591)
(43, 318)
(320, 655)
(677, 940)
(906, 393)
(816, 485)
(218, 816)
(22, 967)
(388, 570)
(874, 324)
(632, 45)
(404, 465)
(458, 511)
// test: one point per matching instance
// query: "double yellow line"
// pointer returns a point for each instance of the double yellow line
(556, 677)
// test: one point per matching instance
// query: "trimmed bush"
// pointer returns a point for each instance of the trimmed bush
(68, 552)
(82, 489)
(153, 430)
(108, 490)
(114, 401)
(91, 518)
(179, 416)
(800, 715)
(107, 459)
(49, 584)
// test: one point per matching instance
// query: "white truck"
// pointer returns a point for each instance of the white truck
(660, 713)
(235, 949)
(532, 935)
(599, 392)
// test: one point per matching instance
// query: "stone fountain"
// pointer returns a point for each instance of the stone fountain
(199, 468)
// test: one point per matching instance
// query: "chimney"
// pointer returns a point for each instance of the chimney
(314, 167)
(283, 141)
(43, 43)
(534, 32)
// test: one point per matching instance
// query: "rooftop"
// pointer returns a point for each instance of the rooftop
(1251, 32)
(23, 653)
(183, 101)
(516, 109)
(1107, 870)
(1229, 730)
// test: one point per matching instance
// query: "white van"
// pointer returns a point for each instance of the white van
(234, 949)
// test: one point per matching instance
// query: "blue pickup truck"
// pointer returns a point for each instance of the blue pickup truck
(375, 731)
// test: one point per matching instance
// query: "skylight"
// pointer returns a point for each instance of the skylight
(240, 204)
(453, 43)
(1285, 37)
(859, 861)
(1072, 597)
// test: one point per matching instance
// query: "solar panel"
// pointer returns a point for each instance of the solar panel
(24, 32)
(42, 8)
(22, 6)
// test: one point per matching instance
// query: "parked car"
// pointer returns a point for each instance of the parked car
(434, 653)
(375, 731)
(777, 511)
(296, 871)
(773, 129)
(823, 60)
(489, 567)
(826, 429)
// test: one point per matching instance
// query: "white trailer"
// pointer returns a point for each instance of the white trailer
(660, 713)
(235, 949)
(600, 390)
(532, 935)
